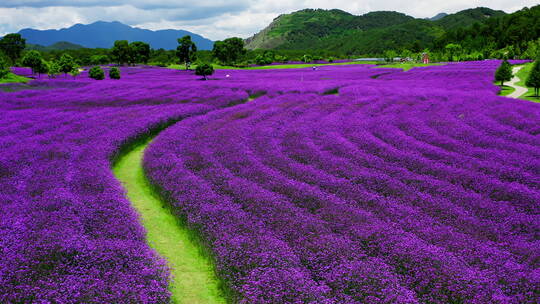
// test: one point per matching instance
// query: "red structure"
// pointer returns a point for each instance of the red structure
(425, 58)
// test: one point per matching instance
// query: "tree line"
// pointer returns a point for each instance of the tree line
(230, 52)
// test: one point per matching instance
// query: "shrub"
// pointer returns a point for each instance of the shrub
(263, 60)
(307, 58)
(114, 73)
(204, 70)
(75, 71)
(96, 73)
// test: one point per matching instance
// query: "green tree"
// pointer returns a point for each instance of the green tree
(204, 70)
(33, 60)
(504, 72)
(66, 63)
(42, 67)
(114, 73)
(186, 51)
(453, 49)
(4, 67)
(229, 51)
(75, 71)
(121, 52)
(96, 73)
(390, 55)
(140, 52)
(12, 45)
(265, 58)
(53, 69)
(307, 58)
(533, 80)
(99, 59)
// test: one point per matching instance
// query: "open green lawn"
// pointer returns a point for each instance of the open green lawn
(404, 66)
(194, 280)
(12, 78)
(505, 90)
(407, 65)
(523, 74)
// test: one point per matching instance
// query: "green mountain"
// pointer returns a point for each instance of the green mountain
(371, 33)
(516, 30)
(58, 46)
(300, 29)
(467, 17)
(438, 16)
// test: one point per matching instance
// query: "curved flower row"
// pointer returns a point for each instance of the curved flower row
(391, 192)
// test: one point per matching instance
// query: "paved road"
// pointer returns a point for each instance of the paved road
(519, 89)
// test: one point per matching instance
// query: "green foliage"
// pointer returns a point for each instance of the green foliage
(532, 49)
(390, 55)
(533, 80)
(99, 59)
(204, 70)
(114, 73)
(121, 52)
(66, 63)
(53, 69)
(504, 72)
(494, 33)
(267, 57)
(139, 52)
(33, 60)
(479, 30)
(4, 67)
(453, 49)
(229, 51)
(96, 73)
(299, 30)
(468, 17)
(281, 58)
(307, 58)
(186, 51)
(75, 72)
(12, 46)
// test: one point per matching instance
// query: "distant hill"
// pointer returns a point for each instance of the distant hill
(374, 32)
(58, 46)
(515, 30)
(437, 17)
(468, 17)
(103, 34)
(300, 29)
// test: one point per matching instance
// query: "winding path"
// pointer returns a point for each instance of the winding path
(194, 280)
(519, 90)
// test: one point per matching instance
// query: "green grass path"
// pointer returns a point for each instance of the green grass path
(523, 74)
(194, 280)
(12, 78)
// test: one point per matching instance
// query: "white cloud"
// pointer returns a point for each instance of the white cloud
(215, 19)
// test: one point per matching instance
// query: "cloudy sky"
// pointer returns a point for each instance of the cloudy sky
(215, 19)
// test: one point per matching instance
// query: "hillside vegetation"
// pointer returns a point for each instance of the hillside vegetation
(373, 33)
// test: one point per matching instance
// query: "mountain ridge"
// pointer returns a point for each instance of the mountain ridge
(367, 33)
(102, 34)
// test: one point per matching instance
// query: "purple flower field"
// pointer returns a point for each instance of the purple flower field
(404, 187)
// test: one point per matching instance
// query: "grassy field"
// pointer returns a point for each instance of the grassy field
(404, 66)
(194, 281)
(12, 78)
(523, 74)
(505, 90)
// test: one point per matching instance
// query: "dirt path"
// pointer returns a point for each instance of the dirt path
(194, 281)
(519, 90)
